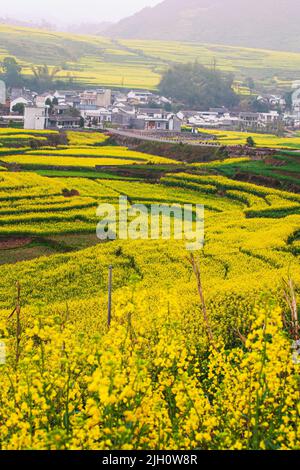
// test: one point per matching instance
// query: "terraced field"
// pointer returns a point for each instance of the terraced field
(60, 160)
(139, 64)
(75, 156)
(281, 171)
(172, 370)
(224, 137)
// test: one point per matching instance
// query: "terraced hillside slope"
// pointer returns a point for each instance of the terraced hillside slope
(173, 369)
(98, 60)
(260, 23)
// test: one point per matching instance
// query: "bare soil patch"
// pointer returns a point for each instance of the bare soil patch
(11, 243)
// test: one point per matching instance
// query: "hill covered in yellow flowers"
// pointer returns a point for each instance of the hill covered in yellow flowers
(175, 369)
(137, 63)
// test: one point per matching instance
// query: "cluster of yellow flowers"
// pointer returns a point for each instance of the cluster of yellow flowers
(84, 139)
(84, 150)
(139, 64)
(153, 380)
(261, 140)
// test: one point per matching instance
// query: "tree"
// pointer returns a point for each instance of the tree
(222, 152)
(74, 112)
(81, 122)
(95, 122)
(250, 142)
(259, 106)
(198, 87)
(289, 100)
(49, 103)
(19, 108)
(44, 75)
(12, 72)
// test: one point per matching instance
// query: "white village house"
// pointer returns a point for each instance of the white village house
(158, 119)
(20, 100)
(2, 92)
(40, 100)
(98, 98)
(35, 117)
(140, 96)
(96, 117)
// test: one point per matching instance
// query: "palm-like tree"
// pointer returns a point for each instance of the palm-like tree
(43, 73)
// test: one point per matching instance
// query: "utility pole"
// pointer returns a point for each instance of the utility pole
(214, 65)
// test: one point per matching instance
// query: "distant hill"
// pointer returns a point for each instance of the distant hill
(97, 27)
(101, 61)
(267, 24)
(43, 25)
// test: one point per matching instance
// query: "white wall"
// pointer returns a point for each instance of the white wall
(2, 92)
(35, 118)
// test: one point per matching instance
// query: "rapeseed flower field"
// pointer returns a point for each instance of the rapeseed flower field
(91, 60)
(261, 140)
(84, 150)
(161, 375)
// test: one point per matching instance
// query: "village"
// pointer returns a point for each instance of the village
(138, 110)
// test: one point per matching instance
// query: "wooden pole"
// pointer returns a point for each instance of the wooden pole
(110, 271)
(197, 273)
(18, 312)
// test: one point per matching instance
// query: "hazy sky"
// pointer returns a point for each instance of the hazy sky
(70, 11)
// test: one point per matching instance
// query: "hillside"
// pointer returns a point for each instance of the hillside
(97, 60)
(184, 359)
(271, 24)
